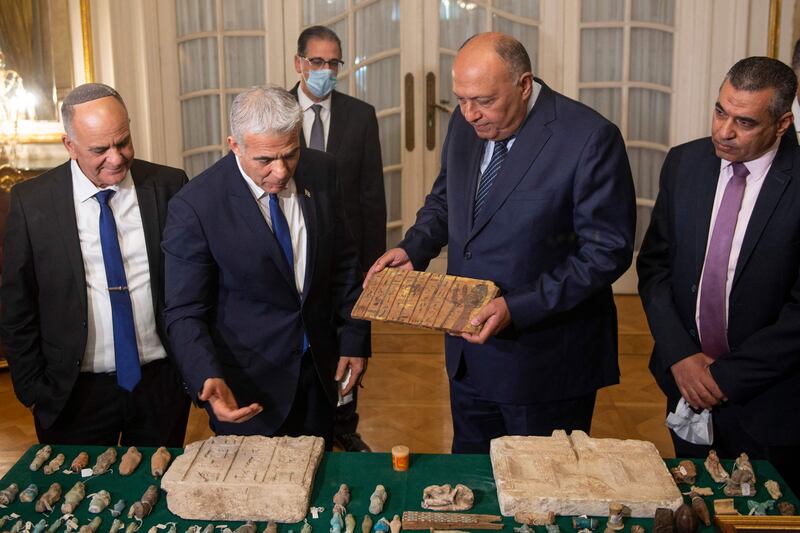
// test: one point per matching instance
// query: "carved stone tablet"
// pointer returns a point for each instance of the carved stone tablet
(424, 299)
(576, 474)
(244, 478)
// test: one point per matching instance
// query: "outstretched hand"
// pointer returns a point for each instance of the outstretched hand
(494, 316)
(217, 393)
(396, 257)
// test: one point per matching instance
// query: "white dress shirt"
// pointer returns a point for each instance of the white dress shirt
(796, 113)
(99, 354)
(308, 115)
(758, 170)
(290, 205)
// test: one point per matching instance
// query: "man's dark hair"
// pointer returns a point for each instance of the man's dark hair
(316, 32)
(796, 57)
(511, 52)
(758, 73)
(82, 94)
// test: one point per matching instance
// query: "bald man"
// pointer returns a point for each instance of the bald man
(534, 193)
(82, 287)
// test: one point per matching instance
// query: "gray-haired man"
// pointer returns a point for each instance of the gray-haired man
(260, 274)
(82, 292)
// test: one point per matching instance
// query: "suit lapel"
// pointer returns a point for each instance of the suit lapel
(707, 175)
(64, 208)
(148, 207)
(476, 146)
(338, 124)
(305, 197)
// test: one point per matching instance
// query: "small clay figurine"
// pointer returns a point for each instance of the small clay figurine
(17, 527)
(377, 499)
(447, 498)
(9, 494)
(55, 464)
(247, 527)
(685, 472)
(700, 507)
(144, 506)
(118, 508)
(3, 520)
(130, 461)
(724, 506)
(700, 491)
(615, 512)
(272, 527)
(686, 519)
(740, 483)
(92, 526)
(381, 526)
(307, 527)
(41, 456)
(160, 461)
(104, 461)
(100, 501)
(535, 519)
(73, 497)
(760, 508)
(55, 526)
(337, 523)
(80, 462)
(40, 526)
(173, 528)
(773, 488)
(395, 525)
(29, 494)
(366, 524)
(71, 523)
(743, 463)
(585, 522)
(349, 523)
(341, 499)
(116, 525)
(133, 527)
(637, 529)
(48, 499)
(715, 468)
(663, 520)
(786, 508)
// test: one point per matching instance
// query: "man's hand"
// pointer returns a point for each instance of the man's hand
(218, 394)
(396, 257)
(494, 316)
(358, 365)
(695, 382)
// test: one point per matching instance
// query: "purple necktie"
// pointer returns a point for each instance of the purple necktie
(713, 320)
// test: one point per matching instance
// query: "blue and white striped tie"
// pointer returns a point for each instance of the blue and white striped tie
(487, 178)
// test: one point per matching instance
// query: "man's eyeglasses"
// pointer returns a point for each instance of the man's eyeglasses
(318, 62)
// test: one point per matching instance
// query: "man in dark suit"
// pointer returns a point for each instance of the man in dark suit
(260, 275)
(718, 271)
(535, 194)
(82, 287)
(346, 128)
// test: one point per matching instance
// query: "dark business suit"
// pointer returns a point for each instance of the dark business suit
(556, 230)
(232, 307)
(44, 302)
(761, 374)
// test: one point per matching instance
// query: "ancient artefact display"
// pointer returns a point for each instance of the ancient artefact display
(615, 513)
(341, 499)
(575, 474)
(700, 507)
(56, 463)
(715, 468)
(49, 498)
(442, 520)
(786, 508)
(100, 501)
(55, 526)
(144, 506)
(29, 494)
(585, 522)
(684, 472)
(535, 519)
(724, 506)
(377, 499)
(773, 488)
(41, 456)
(349, 523)
(395, 525)
(209, 480)
(637, 529)
(272, 527)
(337, 523)
(307, 527)
(247, 527)
(400, 458)
(80, 462)
(424, 299)
(742, 480)
(447, 498)
(73, 497)
(118, 508)
(104, 461)
(663, 521)
(686, 520)
(116, 525)
(130, 461)
(700, 491)
(160, 461)
(759, 508)
(366, 524)
(92, 526)
(9, 494)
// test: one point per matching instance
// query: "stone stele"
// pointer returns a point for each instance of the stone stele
(576, 474)
(244, 478)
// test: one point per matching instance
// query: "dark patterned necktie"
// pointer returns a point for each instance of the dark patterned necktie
(492, 170)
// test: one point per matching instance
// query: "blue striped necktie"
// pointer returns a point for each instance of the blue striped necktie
(487, 178)
(126, 353)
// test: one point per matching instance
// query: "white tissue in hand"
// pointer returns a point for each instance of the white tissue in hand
(696, 428)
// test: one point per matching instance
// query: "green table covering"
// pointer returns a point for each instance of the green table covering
(361, 471)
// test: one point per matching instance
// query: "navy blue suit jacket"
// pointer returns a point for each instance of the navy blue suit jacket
(761, 374)
(556, 230)
(232, 307)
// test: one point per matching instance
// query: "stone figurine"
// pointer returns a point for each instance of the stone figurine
(41, 456)
(377, 499)
(715, 468)
(700, 507)
(685, 472)
(366, 524)
(637, 529)
(740, 483)
(100, 501)
(130, 461)
(29, 494)
(686, 519)
(773, 488)
(724, 506)
(104, 461)
(272, 527)
(349, 523)
(144, 506)
(80, 462)
(17, 527)
(337, 523)
(55, 464)
(9, 494)
(786, 508)
(663, 521)
(247, 527)
(40, 526)
(760, 508)
(615, 513)
(49, 499)
(447, 498)
(160, 461)
(73, 497)
(381, 526)
(118, 508)
(342, 496)
(92, 526)
(307, 527)
(116, 525)
(55, 526)
(133, 527)
(395, 525)
(700, 491)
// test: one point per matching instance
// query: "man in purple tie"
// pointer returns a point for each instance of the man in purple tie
(718, 272)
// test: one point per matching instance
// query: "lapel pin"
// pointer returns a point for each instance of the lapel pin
(308, 193)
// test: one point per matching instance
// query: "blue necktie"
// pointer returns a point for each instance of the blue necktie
(126, 354)
(491, 172)
(280, 227)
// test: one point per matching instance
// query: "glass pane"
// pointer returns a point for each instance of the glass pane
(343, 84)
(607, 102)
(648, 116)
(602, 10)
(318, 11)
(389, 132)
(198, 64)
(195, 164)
(646, 168)
(527, 35)
(601, 54)
(522, 8)
(393, 237)
(661, 11)
(651, 56)
(194, 16)
(377, 29)
(392, 183)
(340, 29)
(446, 79)
(458, 21)
(642, 221)
(200, 116)
(226, 117)
(379, 83)
(243, 15)
(245, 64)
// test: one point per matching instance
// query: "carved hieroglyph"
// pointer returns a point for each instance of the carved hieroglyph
(244, 478)
(576, 474)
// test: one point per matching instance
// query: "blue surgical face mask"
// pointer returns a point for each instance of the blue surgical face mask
(321, 82)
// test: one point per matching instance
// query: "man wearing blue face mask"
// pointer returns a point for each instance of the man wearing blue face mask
(346, 128)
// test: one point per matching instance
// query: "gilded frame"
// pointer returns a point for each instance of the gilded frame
(742, 523)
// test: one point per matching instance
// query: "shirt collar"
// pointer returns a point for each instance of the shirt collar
(83, 189)
(758, 167)
(257, 191)
(306, 102)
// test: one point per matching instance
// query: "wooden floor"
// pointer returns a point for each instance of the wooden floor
(405, 395)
